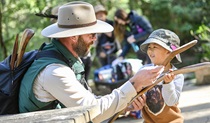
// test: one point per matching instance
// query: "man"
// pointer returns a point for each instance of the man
(87, 59)
(106, 46)
(50, 79)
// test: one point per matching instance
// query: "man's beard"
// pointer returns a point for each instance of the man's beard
(81, 48)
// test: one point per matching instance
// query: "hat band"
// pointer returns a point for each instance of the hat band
(77, 25)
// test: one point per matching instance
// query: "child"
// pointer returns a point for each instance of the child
(162, 100)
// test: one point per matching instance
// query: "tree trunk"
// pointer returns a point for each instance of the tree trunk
(2, 45)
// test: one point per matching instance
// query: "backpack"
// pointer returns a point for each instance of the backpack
(122, 70)
(110, 74)
(10, 79)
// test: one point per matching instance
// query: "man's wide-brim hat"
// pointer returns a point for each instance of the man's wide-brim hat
(76, 18)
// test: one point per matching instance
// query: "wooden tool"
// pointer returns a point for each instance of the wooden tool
(178, 51)
(27, 35)
(14, 54)
(187, 69)
(166, 61)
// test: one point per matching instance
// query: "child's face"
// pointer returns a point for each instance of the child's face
(157, 53)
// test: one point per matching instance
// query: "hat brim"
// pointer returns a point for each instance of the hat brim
(101, 11)
(144, 46)
(53, 31)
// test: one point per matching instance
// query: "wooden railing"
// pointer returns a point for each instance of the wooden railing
(81, 114)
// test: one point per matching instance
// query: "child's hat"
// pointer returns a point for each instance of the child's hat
(165, 38)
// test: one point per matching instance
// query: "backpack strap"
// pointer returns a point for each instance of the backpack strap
(52, 54)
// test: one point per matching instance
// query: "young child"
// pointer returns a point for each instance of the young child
(162, 100)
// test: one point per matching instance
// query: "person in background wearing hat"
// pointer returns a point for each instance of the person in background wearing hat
(162, 99)
(106, 42)
(50, 80)
(131, 30)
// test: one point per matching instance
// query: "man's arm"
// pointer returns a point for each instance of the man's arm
(59, 82)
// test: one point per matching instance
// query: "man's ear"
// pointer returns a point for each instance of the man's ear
(74, 38)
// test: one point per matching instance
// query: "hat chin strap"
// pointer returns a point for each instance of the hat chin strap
(77, 25)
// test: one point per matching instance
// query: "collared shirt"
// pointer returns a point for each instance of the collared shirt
(59, 82)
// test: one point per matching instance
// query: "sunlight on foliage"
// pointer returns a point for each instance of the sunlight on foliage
(203, 34)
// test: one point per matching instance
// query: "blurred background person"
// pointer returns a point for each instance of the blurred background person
(131, 30)
(106, 46)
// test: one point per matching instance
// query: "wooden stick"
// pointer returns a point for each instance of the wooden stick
(14, 53)
(188, 69)
(178, 51)
(166, 61)
(27, 35)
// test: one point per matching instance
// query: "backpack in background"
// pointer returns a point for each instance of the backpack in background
(122, 70)
(110, 74)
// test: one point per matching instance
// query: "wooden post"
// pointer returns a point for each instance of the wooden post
(203, 76)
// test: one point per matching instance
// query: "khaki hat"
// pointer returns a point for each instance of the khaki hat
(165, 38)
(76, 18)
(100, 8)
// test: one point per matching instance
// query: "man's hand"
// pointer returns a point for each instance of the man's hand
(146, 76)
(137, 104)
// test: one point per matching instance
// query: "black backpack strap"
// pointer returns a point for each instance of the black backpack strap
(53, 54)
(42, 46)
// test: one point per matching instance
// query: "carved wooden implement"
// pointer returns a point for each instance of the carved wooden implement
(27, 35)
(14, 54)
(166, 61)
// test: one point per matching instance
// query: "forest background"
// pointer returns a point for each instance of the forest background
(190, 19)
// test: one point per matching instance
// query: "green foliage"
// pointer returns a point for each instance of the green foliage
(180, 16)
(203, 35)
(17, 15)
(177, 15)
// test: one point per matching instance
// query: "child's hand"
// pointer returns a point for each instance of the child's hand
(137, 104)
(169, 77)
